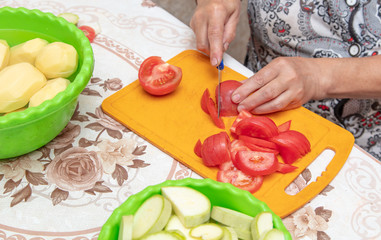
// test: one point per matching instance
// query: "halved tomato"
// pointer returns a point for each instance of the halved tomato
(228, 173)
(228, 107)
(158, 77)
(215, 149)
(257, 126)
(256, 163)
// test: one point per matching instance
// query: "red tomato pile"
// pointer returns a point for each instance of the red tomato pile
(253, 152)
(158, 77)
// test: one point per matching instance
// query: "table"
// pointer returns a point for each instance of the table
(122, 163)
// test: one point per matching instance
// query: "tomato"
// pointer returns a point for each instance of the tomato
(257, 126)
(228, 107)
(214, 114)
(197, 148)
(89, 32)
(158, 77)
(215, 149)
(284, 126)
(292, 145)
(256, 163)
(285, 168)
(204, 101)
(242, 115)
(230, 174)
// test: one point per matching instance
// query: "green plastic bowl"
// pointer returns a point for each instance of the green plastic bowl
(28, 130)
(220, 194)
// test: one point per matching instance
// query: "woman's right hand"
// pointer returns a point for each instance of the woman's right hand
(214, 23)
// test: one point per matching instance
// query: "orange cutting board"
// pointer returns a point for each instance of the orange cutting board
(176, 121)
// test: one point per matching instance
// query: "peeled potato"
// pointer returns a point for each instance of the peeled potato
(49, 91)
(18, 84)
(27, 51)
(4, 54)
(57, 59)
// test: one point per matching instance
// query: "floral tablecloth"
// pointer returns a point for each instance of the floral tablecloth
(68, 188)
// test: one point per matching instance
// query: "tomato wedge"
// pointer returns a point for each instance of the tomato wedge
(230, 174)
(242, 115)
(257, 142)
(197, 148)
(284, 126)
(204, 101)
(235, 146)
(214, 114)
(228, 107)
(285, 168)
(256, 163)
(158, 77)
(257, 126)
(292, 145)
(215, 149)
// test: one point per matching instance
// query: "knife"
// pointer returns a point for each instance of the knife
(220, 68)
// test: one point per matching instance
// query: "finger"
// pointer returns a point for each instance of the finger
(268, 93)
(200, 29)
(230, 30)
(282, 102)
(254, 83)
(215, 37)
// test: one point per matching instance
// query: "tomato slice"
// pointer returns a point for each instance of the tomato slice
(228, 107)
(257, 126)
(242, 115)
(284, 126)
(215, 149)
(197, 148)
(214, 114)
(287, 149)
(89, 32)
(257, 141)
(204, 101)
(158, 77)
(256, 163)
(235, 146)
(230, 174)
(285, 168)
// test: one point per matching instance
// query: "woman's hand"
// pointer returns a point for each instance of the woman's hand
(214, 22)
(285, 83)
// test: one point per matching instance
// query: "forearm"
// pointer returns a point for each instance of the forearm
(351, 77)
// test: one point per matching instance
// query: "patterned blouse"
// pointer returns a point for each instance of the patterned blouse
(322, 28)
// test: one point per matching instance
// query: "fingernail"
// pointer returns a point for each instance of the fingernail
(235, 98)
(240, 108)
(226, 46)
(214, 61)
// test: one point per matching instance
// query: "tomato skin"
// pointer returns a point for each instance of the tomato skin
(214, 114)
(235, 146)
(158, 77)
(228, 107)
(230, 174)
(89, 32)
(256, 163)
(258, 142)
(215, 150)
(257, 126)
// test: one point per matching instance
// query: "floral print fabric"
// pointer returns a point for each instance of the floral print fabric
(319, 28)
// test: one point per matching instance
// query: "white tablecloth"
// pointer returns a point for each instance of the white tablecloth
(36, 204)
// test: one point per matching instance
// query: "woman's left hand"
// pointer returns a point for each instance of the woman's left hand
(285, 83)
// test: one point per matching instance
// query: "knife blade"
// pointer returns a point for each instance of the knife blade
(220, 68)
